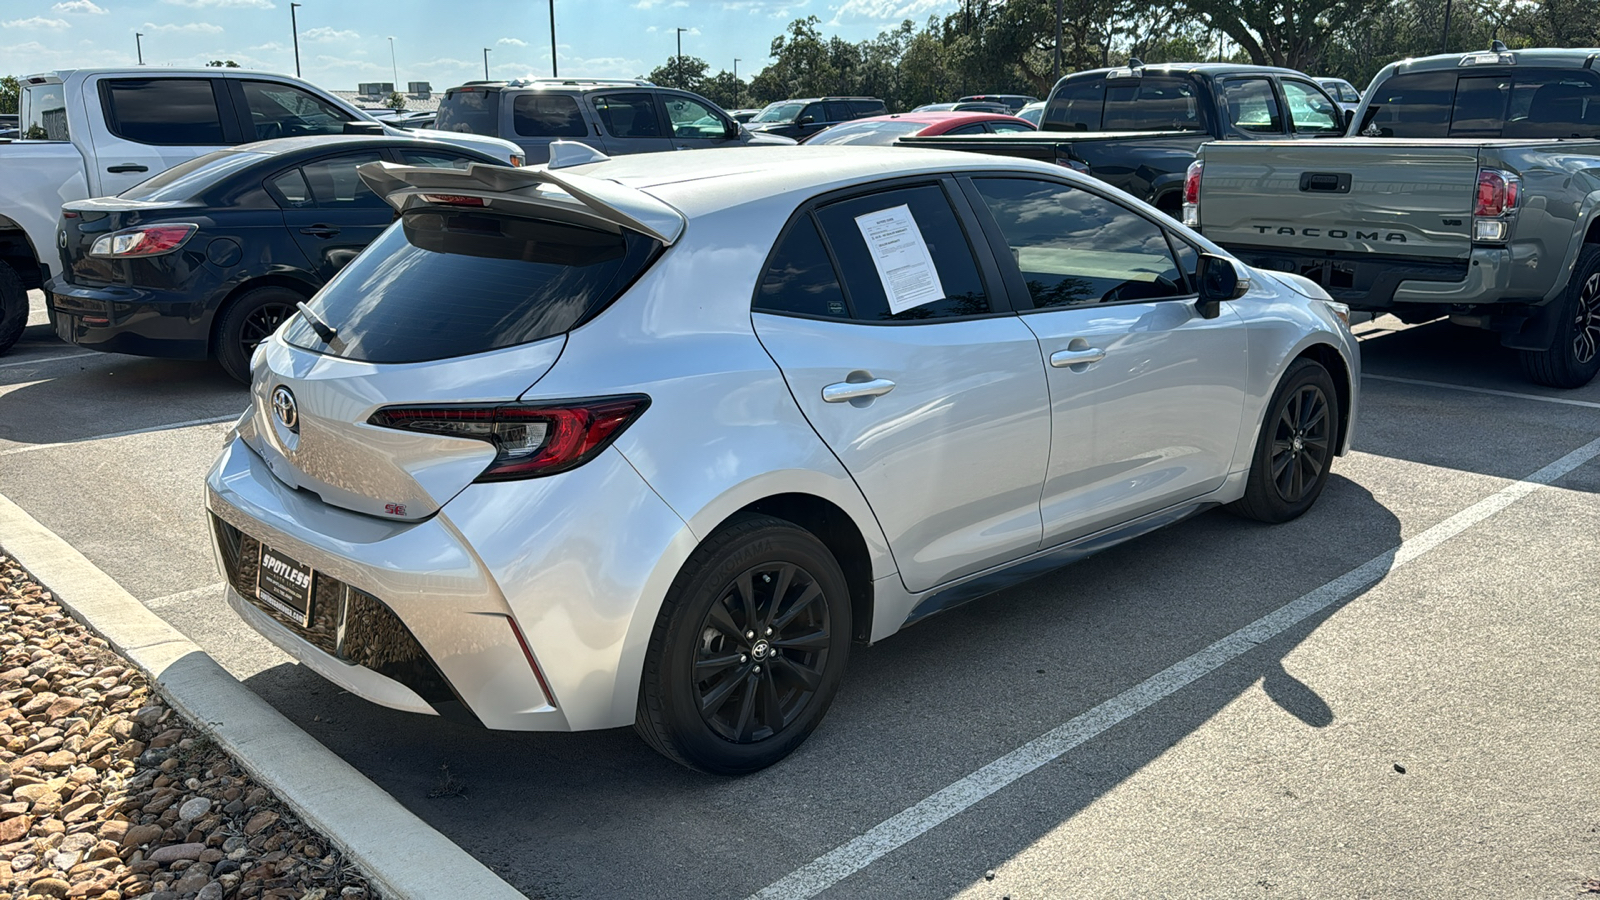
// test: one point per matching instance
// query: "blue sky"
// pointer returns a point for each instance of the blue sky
(344, 42)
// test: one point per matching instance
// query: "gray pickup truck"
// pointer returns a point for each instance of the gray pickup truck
(1473, 193)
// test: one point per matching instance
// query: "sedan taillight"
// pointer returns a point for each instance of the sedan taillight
(146, 240)
(534, 439)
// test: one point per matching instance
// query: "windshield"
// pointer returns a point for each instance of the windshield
(185, 180)
(470, 112)
(443, 283)
(867, 133)
(780, 112)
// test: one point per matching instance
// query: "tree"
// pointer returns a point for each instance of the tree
(686, 74)
(396, 100)
(223, 64)
(1296, 35)
(10, 94)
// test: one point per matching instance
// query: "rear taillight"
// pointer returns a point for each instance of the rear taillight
(1495, 206)
(453, 199)
(532, 439)
(147, 240)
(1191, 194)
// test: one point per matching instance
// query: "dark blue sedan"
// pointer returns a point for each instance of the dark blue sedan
(209, 257)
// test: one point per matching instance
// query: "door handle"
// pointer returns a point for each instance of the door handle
(321, 231)
(127, 167)
(845, 391)
(1063, 358)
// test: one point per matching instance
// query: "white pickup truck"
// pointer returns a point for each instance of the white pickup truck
(97, 132)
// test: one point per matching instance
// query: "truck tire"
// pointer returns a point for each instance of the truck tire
(1574, 356)
(13, 307)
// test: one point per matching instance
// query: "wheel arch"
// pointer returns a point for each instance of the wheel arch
(271, 279)
(1329, 357)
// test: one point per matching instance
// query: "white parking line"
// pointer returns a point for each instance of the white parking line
(833, 867)
(116, 434)
(1478, 390)
(183, 597)
(47, 359)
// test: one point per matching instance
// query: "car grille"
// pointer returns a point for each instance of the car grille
(346, 623)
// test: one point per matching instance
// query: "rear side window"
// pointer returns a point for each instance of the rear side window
(1075, 106)
(1411, 106)
(960, 290)
(444, 283)
(470, 112)
(800, 277)
(1151, 104)
(547, 115)
(629, 115)
(837, 110)
(1252, 105)
(1526, 104)
(164, 111)
(868, 108)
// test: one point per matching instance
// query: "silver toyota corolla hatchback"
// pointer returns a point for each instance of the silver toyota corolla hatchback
(656, 440)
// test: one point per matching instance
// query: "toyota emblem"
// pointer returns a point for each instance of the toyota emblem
(287, 411)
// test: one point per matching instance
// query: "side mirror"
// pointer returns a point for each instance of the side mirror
(732, 130)
(1220, 281)
(1349, 117)
(805, 120)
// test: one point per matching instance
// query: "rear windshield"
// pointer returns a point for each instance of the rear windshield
(187, 179)
(441, 284)
(470, 112)
(867, 132)
(1512, 104)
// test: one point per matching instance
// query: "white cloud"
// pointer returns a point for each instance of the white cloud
(885, 11)
(663, 4)
(87, 7)
(325, 33)
(223, 4)
(515, 42)
(186, 28)
(37, 22)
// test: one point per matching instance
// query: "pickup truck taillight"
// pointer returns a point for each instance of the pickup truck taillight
(149, 240)
(1191, 194)
(1498, 193)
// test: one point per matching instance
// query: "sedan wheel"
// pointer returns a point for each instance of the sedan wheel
(748, 649)
(1295, 448)
(249, 320)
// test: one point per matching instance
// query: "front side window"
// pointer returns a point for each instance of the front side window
(918, 264)
(336, 185)
(629, 115)
(692, 119)
(44, 112)
(800, 279)
(164, 111)
(780, 112)
(281, 110)
(1151, 104)
(1310, 110)
(1078, 249)
(1252, 106)
(547, 115)
(1076, 106)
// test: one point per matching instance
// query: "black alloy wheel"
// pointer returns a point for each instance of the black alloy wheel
(1301, 443)
(261, 323)
(1295, 448)
(748, 649)
(762, 651)
(1573, 359)
(248, 320)
(1586, 321)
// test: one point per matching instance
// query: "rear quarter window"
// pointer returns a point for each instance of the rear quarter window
(470, 112)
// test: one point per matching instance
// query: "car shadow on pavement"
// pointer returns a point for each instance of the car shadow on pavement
(109, 394)
(599, 814)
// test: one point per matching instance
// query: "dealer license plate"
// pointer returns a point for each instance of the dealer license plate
(285, 585)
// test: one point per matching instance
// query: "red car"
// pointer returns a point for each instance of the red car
(883, 130)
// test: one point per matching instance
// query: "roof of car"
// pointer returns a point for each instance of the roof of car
(1198, 68)
(1547, 57)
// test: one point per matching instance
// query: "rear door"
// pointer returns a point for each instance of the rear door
(936, 404)
(150, 124)
(329, 210)
(1146, 395)
(632, 123)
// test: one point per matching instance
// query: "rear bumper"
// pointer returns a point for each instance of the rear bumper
(1381, 282)
(138, 321)
(431, 616)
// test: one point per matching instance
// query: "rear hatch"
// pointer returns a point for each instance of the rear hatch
(1346, 196)
(455, 311)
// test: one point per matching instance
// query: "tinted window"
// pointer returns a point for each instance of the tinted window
(963, 292)
(188, 179)
(439, 159)
(1252, 106)
(44, 112)
(470, 112)
(692, 119)
(838, 111)
(1075, 106)
(815, 111)
(1526, 104)
(292, 188)
(629, 115)
(170, 111)
(868, 107)
(1411, 106)
(779, 112)
(280, 110)
(547, 115)
(335, 184)
(1151, 104)
(800, 278)
(1007, 127)
(1075, 248)
(1310, 110)
(1348, 94)
(403, 299)
(879, 133)
(974, 128)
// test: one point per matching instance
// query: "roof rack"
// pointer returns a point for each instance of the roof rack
(628, 82)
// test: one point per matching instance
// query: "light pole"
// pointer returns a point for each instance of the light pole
(294, 26)
(1058, 41)
(1444, 40)
(679, 85)
(736, 82)
(394, 66)
(486, 64)
(139, 45)
(553, 73)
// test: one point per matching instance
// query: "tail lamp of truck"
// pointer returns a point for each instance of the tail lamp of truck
(1191, 194)
(1496, 206)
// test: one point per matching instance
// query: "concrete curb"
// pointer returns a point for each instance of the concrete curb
(402, 856)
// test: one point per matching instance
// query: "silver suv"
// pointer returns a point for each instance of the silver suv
(615, 116)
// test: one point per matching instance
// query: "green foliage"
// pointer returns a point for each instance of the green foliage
(10, 94)
(223, 64)
(396, 100)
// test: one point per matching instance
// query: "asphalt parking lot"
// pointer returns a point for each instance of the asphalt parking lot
(1217, 746)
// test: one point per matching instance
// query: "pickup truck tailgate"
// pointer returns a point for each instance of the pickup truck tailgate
(1348, 195)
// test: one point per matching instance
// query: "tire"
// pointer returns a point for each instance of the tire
(249, 319)
(13, 307)
(762, 694)
(1574, 356)
(1295, 448)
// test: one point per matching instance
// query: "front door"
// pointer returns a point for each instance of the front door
(330, 211)
(1146, 395)
(919, 380)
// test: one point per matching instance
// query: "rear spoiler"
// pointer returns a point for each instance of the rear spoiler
(531, 189)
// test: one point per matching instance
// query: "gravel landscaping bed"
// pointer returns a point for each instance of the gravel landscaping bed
(105, 792)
